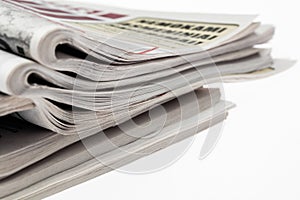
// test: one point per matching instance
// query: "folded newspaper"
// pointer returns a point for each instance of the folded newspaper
(73, 74)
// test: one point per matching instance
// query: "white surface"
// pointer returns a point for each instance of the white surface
(258, 154)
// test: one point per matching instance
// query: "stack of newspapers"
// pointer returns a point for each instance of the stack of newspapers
(85, 89)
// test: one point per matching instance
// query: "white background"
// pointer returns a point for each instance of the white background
(258, 156)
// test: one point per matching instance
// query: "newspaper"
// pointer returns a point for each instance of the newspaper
(80, 64)
(115, 105)
(43, 142)
(76, 156)
(106, 25)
